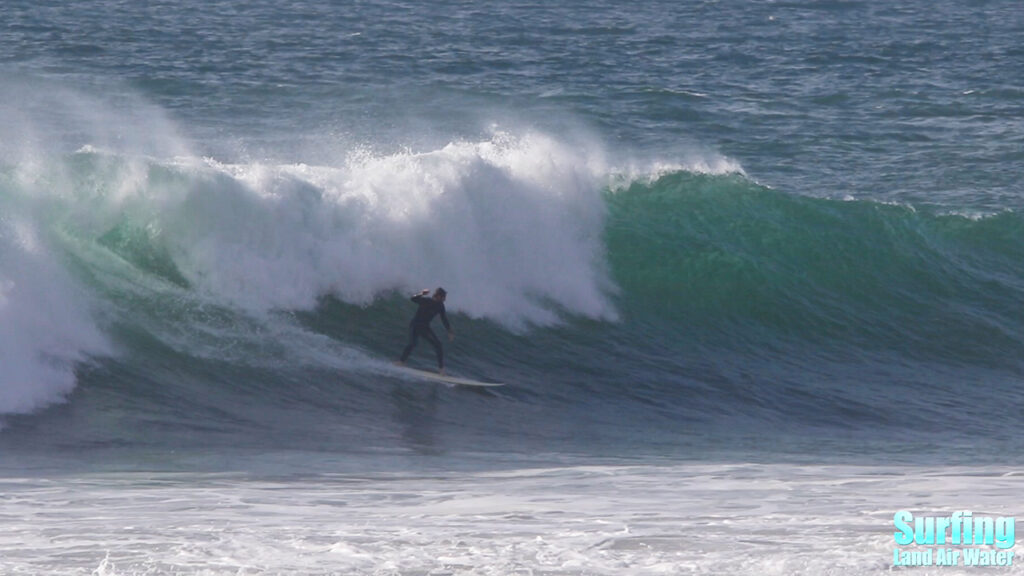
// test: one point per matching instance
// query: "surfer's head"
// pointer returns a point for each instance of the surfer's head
(440, 294)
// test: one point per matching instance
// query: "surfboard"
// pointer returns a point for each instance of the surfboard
(444, 378)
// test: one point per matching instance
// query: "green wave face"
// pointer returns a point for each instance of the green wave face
(725, 254)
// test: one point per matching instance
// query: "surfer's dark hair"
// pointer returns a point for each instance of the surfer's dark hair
(441, 292)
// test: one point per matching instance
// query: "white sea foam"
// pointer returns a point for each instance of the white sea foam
(603, 520)
(710, 163)
(511, 227)
(45, 323)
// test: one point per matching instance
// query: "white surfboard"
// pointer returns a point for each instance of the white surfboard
(445, 378)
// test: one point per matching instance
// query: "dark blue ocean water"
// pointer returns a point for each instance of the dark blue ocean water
(784, 230)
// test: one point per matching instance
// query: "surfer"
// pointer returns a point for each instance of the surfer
(420, 325)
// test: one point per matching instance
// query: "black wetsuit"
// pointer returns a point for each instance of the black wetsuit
(420, 326)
